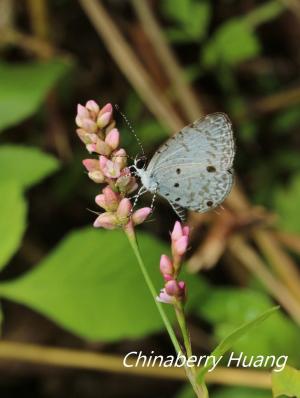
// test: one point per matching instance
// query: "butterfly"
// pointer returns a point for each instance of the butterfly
(193, 169)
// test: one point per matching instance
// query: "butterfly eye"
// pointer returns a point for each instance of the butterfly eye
(140, 163)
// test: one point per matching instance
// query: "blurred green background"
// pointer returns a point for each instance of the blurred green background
(66, 285)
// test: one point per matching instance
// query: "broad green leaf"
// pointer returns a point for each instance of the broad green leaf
(286, 203)
(23, 88)
(232, 43)
(26, 165)
(229, 341)
(227, 392)
(12, 219)
(286, 382)
(91, 285)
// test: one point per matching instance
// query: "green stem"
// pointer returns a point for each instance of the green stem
(200, 389)
(183, 327)
(134, 245)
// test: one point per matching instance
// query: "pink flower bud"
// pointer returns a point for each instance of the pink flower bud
(106, 220)
(180, 245)
(172, 288)
(124, 209)
(112, 199)
(82, 112)
(78, 121)
(103, 148)
(89, 125)
(102, 162)
(82, 134)
(106, 108)
(111, 169)
(120, 157)
(165, 298)
(177, 231)
(91, 148)
(92, 106)
(104, 119)
(140, 215)
(100, 200)
(166, 266)
(96, 176)
(91, 164)
(113, 138)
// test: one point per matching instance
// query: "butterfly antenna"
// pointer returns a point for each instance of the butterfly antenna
(92, 211)
(130, 128)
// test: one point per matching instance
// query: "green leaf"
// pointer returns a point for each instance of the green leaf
(286, 382)
(286, 203)
(23, 88)
(26, 165)
(232, 43)
(91, 285)
(227, 392)
(231, 339)
(191, 17)
(12, 219)
(241, 392)
(178, 10)
(227, 308)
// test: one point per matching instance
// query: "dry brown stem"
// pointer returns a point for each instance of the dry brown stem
(78, 359)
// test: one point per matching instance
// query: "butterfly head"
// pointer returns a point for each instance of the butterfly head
(138, 166)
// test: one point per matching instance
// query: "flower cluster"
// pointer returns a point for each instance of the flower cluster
(174, 290)
(96, 129)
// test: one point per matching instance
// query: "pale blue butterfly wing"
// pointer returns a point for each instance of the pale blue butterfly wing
(193, 169)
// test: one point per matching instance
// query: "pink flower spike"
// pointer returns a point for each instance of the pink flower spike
(165, 265)
(124, 209)
(140, 215)
(91, 164)
(106, 220)
(103, 119)
(92, 106)
(177, 231)
(113, 138)
(180, 245)
(82, 112)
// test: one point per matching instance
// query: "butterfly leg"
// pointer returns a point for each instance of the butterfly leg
(153, 199)
(180, 211)
(141, 192)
